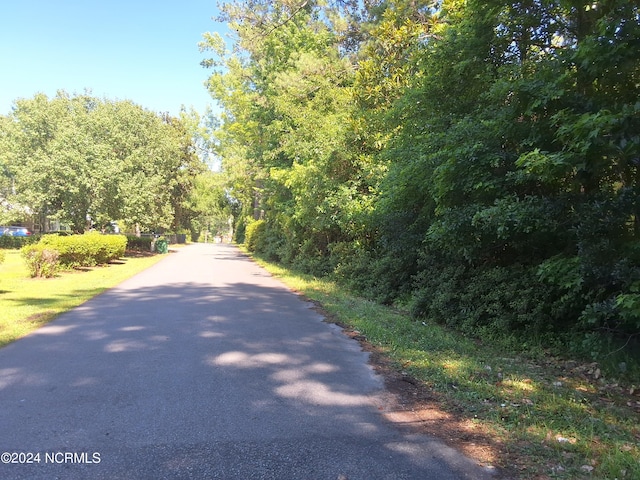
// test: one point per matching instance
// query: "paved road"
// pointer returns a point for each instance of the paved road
(202, 367)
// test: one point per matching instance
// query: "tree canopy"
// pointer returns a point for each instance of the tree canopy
(84, 161)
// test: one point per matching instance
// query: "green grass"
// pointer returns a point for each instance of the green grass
(28, 303)
(546, 417)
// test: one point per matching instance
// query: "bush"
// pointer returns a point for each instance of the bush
(255, 236)
(110, 247)
(1, 256)
(42, 261)
(240, 230)
(16, 243)
(383, 278)
(266, 239)
(486, 302)
(139, 244)
(86, 250)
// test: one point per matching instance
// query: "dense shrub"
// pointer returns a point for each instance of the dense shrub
(42, 260)
(255, 236)
(384, 278)
(139, 244)
(240, 230)
(110, 247)
(16, 243)
(267, 239)
(308, 257)
(86, 250)
(351, 265)
(486, 302)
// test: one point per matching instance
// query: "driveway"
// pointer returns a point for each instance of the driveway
(202, 367)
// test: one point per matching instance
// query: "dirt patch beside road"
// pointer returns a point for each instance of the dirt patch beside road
(411, 405)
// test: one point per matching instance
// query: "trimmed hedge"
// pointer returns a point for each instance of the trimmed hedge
(139, 244)
(255, 236)
(15, 243)
(86, 250)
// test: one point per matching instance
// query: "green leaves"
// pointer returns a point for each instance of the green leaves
(284, 135)
(79, 160)
(444, 141)
(628, 306)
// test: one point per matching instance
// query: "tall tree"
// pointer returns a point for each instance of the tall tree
(81, 160)
(285, 91)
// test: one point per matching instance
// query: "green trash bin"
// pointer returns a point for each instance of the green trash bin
(162, 246)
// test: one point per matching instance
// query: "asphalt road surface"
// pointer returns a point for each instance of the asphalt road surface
(202, 367)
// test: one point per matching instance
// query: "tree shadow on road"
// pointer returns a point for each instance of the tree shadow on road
(233, 369)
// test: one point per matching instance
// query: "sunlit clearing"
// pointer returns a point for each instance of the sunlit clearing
(524, 385)
(455, 367)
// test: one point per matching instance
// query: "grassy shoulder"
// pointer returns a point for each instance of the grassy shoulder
(534, 417)
(28, 303)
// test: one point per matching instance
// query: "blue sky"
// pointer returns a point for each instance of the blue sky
(141, 50)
